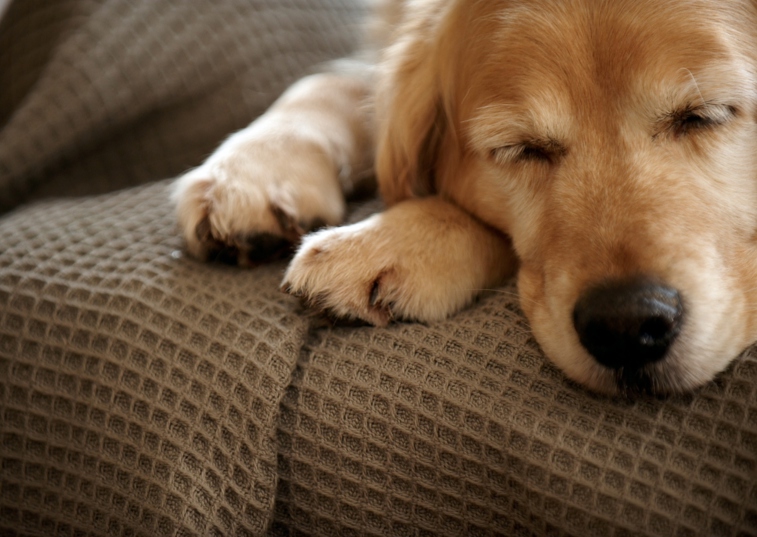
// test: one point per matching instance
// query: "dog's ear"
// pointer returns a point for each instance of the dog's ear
(411, 119)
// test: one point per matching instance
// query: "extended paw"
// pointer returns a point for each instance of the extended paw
(422, 259)
(233, 220)
(336, 272)
(254, 199)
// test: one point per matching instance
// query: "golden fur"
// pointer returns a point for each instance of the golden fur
(577, 141)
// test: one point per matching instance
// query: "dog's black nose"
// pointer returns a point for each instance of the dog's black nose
(628, 323)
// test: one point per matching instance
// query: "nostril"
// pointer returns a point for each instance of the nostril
(628, 323)
(654, 329)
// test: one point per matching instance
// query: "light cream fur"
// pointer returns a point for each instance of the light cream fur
(297, 161)
(382, 268)
(603, 138)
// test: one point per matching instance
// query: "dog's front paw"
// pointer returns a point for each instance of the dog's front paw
(420, 260)
(347, 273)
(256, 196)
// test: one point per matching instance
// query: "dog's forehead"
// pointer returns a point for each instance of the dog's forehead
(586, 53)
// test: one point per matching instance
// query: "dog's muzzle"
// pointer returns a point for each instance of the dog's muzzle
(628, 323)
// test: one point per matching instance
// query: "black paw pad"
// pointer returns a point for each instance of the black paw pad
(266, 247)
(219, 252)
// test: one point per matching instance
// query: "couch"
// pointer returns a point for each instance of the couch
(143, 393)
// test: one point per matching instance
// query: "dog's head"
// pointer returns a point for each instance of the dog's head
(615, 142)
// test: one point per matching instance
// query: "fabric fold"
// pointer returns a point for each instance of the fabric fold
(140, 387)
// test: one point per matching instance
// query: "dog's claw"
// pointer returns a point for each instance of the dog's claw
(290, 227)
(203, 230)
(295, 293)
(375, 288)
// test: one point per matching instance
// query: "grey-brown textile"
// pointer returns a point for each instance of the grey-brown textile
(99, 94)
(142, 393)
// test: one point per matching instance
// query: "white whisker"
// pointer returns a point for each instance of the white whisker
(513, 294)
(696, 84)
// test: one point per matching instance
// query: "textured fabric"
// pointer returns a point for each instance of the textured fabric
(142, 393)
(139, 389)
(100, 94)
(463, 428)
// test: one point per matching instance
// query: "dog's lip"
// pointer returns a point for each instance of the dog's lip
(663, 378)
(636, 381)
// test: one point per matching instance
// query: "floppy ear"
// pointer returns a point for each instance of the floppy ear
(409, 111)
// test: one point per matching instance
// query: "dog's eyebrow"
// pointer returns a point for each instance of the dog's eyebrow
(713, 88)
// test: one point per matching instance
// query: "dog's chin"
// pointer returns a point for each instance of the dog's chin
(707, 343)
(686, 367)
(679, 372)
(659, 379)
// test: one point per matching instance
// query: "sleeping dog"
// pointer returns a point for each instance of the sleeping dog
(603, 150)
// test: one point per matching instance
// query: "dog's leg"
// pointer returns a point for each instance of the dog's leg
(422, 259)
(283, 175)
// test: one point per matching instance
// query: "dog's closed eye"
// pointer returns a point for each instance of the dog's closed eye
(690, 119)
(539, 151)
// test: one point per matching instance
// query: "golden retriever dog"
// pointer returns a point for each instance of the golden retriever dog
(605, 150)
